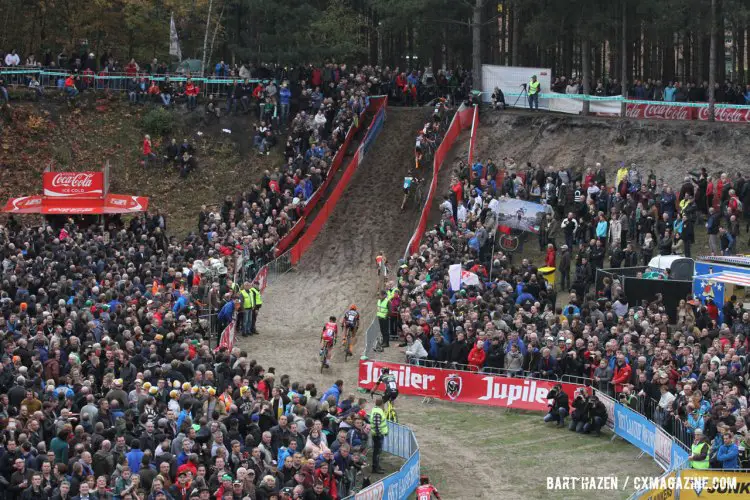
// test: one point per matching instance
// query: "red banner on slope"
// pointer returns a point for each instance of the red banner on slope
(464, 387)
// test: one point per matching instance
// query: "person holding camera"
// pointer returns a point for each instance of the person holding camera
(498, 99)
(559, 406)
(579, 416)
(596, 416)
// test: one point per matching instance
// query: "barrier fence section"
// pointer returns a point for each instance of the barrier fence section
(378, 104)
(462, 120)
(638, 109)
(402, 443)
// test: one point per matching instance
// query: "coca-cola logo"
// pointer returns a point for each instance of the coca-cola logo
(72, 180)
(658, 111)
(733, 115)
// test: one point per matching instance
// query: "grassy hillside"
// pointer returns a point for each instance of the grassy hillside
(35, 135)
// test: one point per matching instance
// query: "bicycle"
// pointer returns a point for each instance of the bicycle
(388, 408)
(323, 356)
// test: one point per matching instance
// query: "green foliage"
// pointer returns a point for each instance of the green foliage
(158, 121)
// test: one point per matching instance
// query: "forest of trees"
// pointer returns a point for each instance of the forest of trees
(665, 39)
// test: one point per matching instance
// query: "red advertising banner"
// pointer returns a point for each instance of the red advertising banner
(731, 115)
(124, 203)
(24, 205)
(659, 112)
(73, 184)
(464, 387)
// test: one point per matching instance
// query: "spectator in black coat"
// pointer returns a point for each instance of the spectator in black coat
(458, 351)
(495, 354)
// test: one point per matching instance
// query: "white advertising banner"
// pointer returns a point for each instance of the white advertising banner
(509, 80)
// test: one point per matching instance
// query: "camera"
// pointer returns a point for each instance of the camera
(523, 86)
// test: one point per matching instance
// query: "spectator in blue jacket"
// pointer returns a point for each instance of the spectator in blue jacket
(334, 390)
(517, 341)
(225, 314)
(285, 96)
(729, 453)
(135, 456)
(524, 296)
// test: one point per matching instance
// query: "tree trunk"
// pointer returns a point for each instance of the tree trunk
(712, 64)
(205, 37)
(586, 63)
(476, 44)
(516, 32)
(624, 57)
(741, 54)
(216, 30)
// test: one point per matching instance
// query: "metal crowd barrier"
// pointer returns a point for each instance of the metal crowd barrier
(117, 82)
(402, 443)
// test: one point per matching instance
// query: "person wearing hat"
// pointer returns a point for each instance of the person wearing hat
(699, 451)
(181, 490)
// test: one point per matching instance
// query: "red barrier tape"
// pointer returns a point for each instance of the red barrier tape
(465, 387)
(321, 218)
(461, 121)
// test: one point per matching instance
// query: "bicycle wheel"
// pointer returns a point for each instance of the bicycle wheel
(323, 357)
(347, 346)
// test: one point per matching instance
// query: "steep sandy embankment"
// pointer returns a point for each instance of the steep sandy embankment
(670, 148)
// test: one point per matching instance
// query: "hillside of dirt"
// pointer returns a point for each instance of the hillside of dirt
(670, 148)
(34, 135)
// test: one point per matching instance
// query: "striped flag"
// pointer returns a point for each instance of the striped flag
(174, 41)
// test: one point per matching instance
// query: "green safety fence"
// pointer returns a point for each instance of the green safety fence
(158, 78)
(619, 98)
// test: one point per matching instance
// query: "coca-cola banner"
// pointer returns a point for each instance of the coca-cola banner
(74, 184)
(733, 115)
(464, 387)
(660, 111)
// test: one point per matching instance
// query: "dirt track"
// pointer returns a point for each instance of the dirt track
(338, 268)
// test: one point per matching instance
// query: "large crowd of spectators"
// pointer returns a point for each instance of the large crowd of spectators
(686, 372)
(656, 90)
(108, 388)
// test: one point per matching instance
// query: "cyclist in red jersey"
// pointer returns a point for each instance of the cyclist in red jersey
(425, 490)
(328, 337)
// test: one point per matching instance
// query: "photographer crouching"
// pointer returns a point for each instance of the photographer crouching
(559, 406)
(589, 413)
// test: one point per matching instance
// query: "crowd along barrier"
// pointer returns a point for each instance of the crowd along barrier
(525, 394)
(402, 443)
(284, 243)
(377, 104)
(462, 120)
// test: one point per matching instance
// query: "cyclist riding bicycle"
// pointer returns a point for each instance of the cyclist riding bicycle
(350, 322)
(391, 387)
(408, 181)
(328, 338)
(425, 490)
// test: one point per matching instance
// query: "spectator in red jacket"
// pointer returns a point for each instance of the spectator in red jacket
(549, 260)
(191, 91)
(477, 357)
(148, 153)
(622, 373)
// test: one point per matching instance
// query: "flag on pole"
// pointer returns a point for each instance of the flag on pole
(227, 338)
(174, 42)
